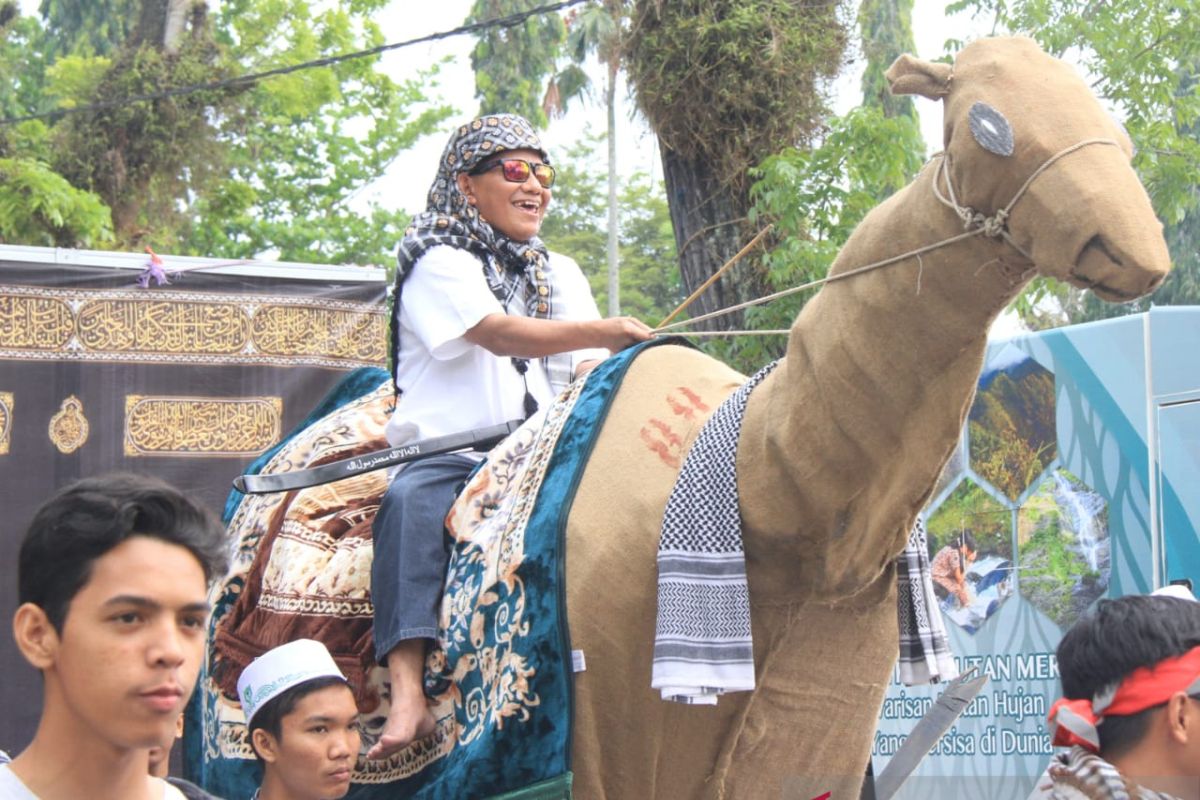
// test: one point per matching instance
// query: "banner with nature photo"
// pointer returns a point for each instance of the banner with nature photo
(1052, 482)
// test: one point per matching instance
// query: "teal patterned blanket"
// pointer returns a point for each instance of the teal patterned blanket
(500, 680)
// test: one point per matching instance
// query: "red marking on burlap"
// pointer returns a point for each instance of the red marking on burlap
(694, 398)
(662, 441)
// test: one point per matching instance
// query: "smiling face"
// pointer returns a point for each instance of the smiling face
(127, 657)
(514, 209)
(316, 749)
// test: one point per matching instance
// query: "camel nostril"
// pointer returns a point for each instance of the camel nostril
(1097, 243)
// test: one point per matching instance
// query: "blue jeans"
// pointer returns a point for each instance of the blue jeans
(412, 550)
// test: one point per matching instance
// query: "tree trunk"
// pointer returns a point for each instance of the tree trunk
(614, 275)
(161, 23)
(178, 12)
(707, 216)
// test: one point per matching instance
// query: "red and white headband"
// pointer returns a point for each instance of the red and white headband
(1073, 722)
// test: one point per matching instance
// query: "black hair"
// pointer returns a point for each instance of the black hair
(83, 521)
(965, 539)
(270, 716)
(1121, 635)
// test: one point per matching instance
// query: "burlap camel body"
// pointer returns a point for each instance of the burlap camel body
(843, 442)
(841, 445)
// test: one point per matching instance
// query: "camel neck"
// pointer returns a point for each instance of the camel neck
(877, 379)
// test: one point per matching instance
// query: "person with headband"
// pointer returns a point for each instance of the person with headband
(487, 326)
(1129, 714)
(301, 722)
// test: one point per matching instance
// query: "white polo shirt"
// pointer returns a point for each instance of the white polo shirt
(449, 385)
(11, 787)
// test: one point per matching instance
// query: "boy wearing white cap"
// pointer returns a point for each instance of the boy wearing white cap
(302, 722)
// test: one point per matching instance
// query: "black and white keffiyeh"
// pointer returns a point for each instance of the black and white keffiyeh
(703, 645)
(1081, 775)
(925, 655)
(511, 268)
(702, 642)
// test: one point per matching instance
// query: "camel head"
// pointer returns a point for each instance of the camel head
(1009, 109)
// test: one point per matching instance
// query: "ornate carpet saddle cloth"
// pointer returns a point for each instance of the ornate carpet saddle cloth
(500, 677)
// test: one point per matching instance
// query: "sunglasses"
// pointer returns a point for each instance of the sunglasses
(516, 170)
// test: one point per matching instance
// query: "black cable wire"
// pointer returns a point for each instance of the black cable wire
(246, 80)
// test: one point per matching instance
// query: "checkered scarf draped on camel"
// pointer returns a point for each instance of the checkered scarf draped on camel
(702, 645)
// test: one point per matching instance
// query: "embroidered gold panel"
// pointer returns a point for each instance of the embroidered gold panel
(201, 426)
(6, 416)
(32, 322)
(288, 330)
(189, 327)
(69, 428)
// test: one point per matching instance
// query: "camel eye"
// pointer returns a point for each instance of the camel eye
(990, 129)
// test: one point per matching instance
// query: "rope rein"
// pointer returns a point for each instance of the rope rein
(975, 223)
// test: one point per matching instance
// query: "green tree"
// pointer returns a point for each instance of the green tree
(37, 205)
(229, 172)
(1144, 60)
(88, 27)
(22, 63)
(815, 198)
(600, 29)
(142, 159)
(886, 30)
(575, 222)
(724, 82)
(652, 287)
(513, 64)
(301, 145)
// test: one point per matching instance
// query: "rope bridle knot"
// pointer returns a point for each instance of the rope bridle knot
(994, 226)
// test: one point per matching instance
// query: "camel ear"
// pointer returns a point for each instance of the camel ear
(908, 75)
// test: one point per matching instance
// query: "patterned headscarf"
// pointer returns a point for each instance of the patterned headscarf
(448, 219)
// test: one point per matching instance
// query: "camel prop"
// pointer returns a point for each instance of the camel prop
(840, 448)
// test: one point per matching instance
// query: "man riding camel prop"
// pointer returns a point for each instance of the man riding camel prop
(839, 449)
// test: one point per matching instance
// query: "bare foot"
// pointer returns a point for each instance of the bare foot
(407, 721)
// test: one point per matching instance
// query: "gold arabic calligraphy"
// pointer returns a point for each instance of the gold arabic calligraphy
(189, 327)
(200, 426)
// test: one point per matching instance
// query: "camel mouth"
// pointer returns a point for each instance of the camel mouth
(1114, 275)
(1105, 292)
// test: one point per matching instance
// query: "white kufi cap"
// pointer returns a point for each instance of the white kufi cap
(1174, 590)
(281, 668)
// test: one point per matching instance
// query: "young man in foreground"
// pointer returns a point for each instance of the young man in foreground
(113, 577)
(302, 721)
(1130, 675)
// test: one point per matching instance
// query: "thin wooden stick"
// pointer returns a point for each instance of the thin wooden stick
(779, 332)
(737, 257)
